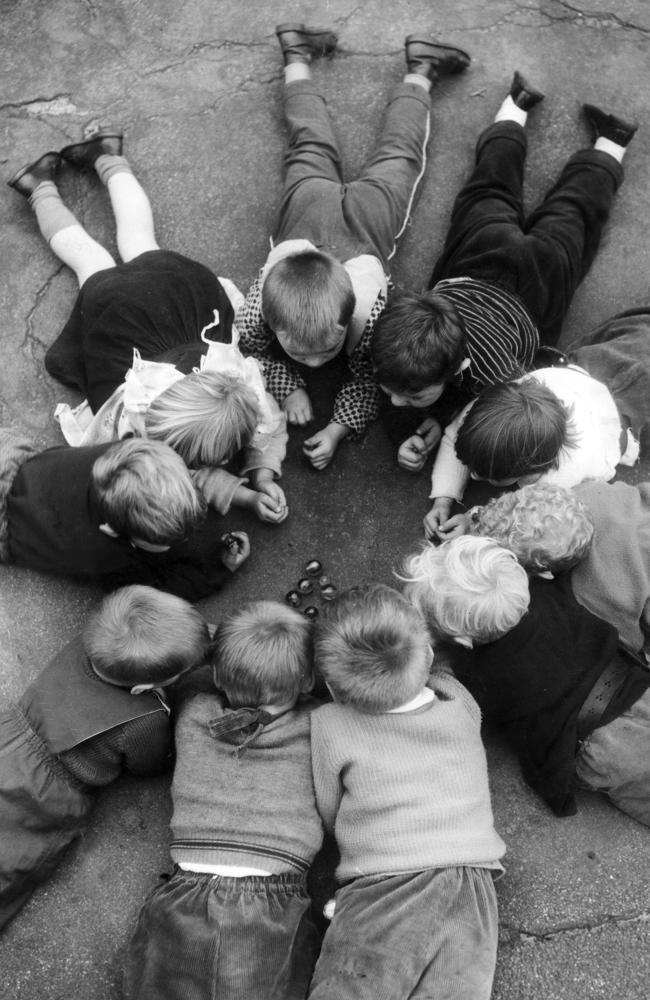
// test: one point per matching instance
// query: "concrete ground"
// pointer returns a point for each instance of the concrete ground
(197, 88)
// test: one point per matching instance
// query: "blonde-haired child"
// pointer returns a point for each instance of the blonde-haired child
(234, 918)
(572, 703)
(124, 512)
(78, 726)
(600, 531)
(401, 781)
(146, 319)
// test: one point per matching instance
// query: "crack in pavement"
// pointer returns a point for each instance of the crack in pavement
(611, 920)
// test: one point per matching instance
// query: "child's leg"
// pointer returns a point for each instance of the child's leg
(427, 934)
(378, 204)
(563, 235)
(487, 217)
(615, 759)
(131, 207)
(65, 236)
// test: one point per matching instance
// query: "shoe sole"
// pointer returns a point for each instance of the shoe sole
(13, 180)
(66, 152)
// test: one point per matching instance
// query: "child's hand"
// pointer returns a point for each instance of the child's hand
(437, 517)
(413, 452)
(297, 407)
(237, 549)
(321, 446)
(270, 504)
(454, 527)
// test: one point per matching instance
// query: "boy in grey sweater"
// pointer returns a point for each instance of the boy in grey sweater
(233, 920)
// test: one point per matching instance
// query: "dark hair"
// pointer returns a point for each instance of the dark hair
(418, 341)
(309, 297)
(513, 429)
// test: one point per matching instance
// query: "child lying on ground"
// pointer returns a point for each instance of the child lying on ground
(233, 920)
(401, 781)
(554, 425)
(324, 283)
(574, 705)
(146, 318)
(97, 709)
(598, 531)
(120, 513)
(503, 280)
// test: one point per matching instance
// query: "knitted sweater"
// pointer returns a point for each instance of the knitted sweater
(252, 806)
(405, 792)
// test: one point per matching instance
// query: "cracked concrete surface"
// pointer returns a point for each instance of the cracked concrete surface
(196, 87)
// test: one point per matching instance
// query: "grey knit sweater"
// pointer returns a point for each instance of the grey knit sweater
(405, 792)
(252, 806)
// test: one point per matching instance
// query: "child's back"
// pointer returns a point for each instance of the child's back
(401, 780)
(234, 918)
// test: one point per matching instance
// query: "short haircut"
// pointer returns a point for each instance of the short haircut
(418, 341)
(309, 297)
(514, 429)
(206, 417)
(144, 491)
(467, 588)
(372, 649)
(547, 527)
(263, 655)
(139, 635)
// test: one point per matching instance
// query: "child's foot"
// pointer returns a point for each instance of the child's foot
(609, 126)
(522, 94)
(27, 179)
(432, 60)
(84, 154)
(302, 44)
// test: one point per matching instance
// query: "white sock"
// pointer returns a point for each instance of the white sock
(297, 71)
(419, 80)
(613, 148)
(509, 112)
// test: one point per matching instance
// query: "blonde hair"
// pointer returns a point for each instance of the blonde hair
(372, 649)
(139, 635)
(263, 655)
(207, 417)
(309, 297)
(546, 526)
(467, 588)
(144, 491)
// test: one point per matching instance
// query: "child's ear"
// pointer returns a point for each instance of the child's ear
(307, 684)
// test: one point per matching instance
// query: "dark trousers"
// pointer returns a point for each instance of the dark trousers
(370, 213)
(542, 257)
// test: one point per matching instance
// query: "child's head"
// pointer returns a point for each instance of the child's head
(546, 526)
(514, 430)
(418, 345)
(468, 589)
(372, 649)
(307, 300)
(206, 417)
(263, 655)
(145, 493)
(141, 637)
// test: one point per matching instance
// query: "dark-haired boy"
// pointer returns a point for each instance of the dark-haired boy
(504, 282)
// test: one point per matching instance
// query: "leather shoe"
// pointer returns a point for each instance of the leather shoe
(300, 43)
(609, 126)
(433, 59)
(27, 179)
(521, 92)
(84, 154)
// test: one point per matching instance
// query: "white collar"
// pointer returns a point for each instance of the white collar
(423, 697)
